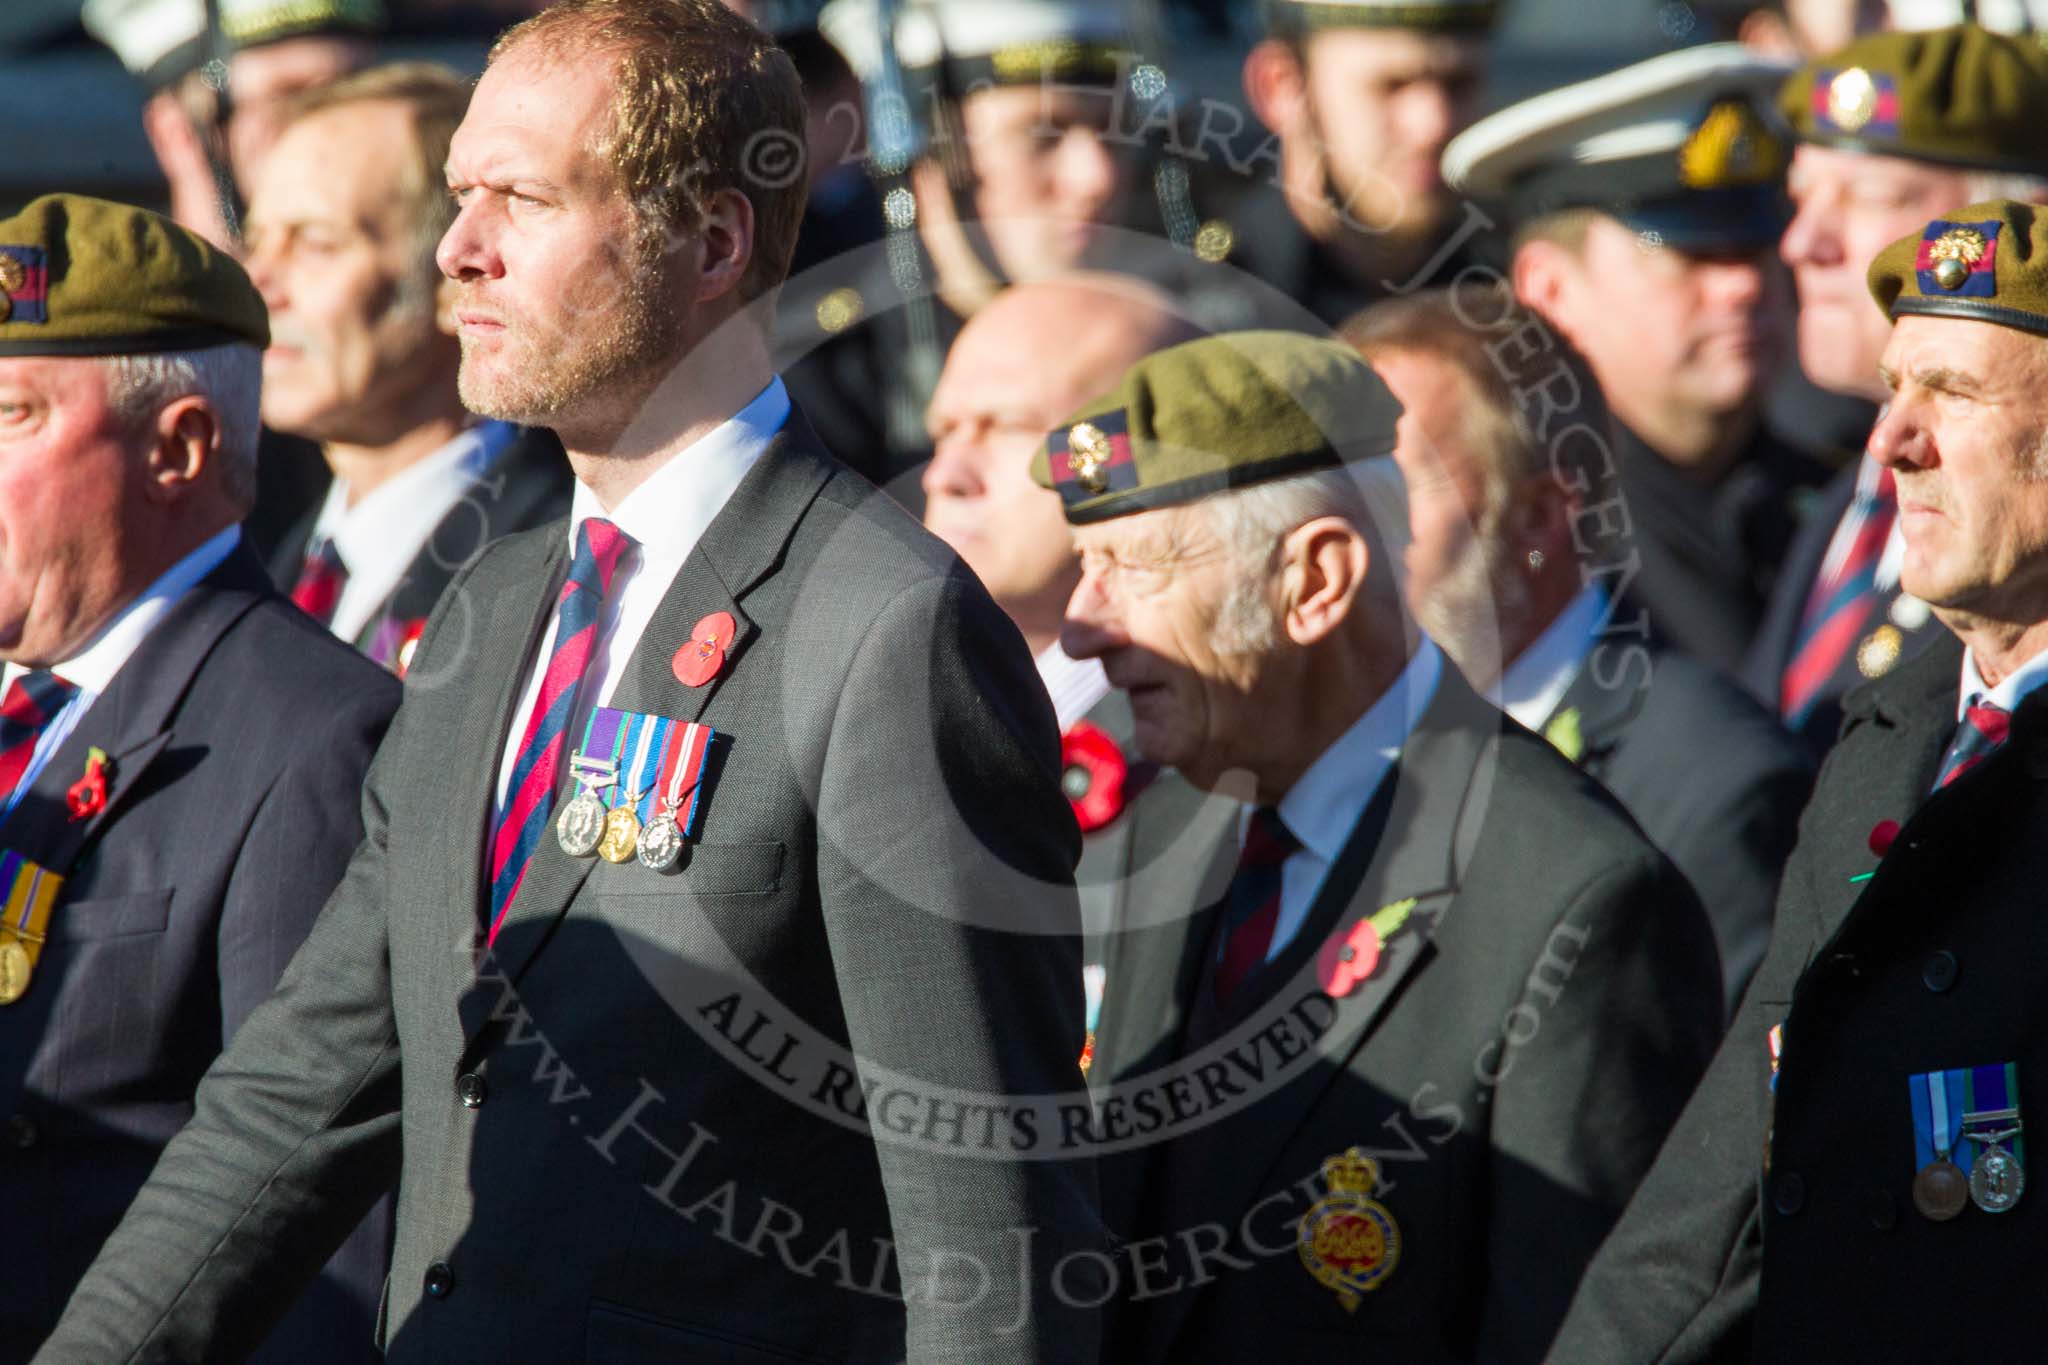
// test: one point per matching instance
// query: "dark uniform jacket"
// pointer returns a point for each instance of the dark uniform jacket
(1708, 774)
(1763, 672)
(1711, 556)
(1513, 1063)
(528, 485)
(603, 1160)
(238, 735)
(1815, 1252)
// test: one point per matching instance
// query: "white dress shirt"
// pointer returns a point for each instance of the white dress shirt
(92, 669)
(1323, 807)
(1074, 685)
(2008, 694)
(1531, 686)
(666, 515)
(381, 535)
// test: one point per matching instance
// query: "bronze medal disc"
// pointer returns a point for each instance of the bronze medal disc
(621, 835)
(15, 971)
(1940, 1191)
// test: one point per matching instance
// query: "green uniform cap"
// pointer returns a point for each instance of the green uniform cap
(1961, 96)
(82, 276)
(1988, 262)
(1228, 410)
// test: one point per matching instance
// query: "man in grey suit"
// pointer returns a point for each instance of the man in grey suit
(181, 754)
(730, 1088)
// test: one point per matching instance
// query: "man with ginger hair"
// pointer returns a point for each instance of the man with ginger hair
(732, 793)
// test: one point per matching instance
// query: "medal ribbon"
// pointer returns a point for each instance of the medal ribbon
(30, 892)
(602, 742)
(683, 763)
(1994, 1088)
(638, 779)
(1937, 1097)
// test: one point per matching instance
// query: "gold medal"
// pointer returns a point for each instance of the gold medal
(621, 835)
(15, 971)
(1940, 1190)
(1879, 651)
(1348, 1241)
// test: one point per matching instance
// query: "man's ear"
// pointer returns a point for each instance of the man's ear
(1276, 86)
(1542, 272)
(727, 233)
(1324, 568)
(184, 444)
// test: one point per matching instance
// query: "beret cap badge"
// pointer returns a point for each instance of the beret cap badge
(1852, 99)
(1089, 452)
(1953, 253)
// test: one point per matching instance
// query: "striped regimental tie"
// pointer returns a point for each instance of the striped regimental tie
(1840, 603)
(529, 798)
(1985, 726)
(1251, 907)
(32, 702)
(321, 579)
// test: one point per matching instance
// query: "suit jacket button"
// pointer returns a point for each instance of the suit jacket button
(1884, 1210)
(1791, 1193)
(469, 1088)
(21, 1131)
(1940, 971)
(440, 1281)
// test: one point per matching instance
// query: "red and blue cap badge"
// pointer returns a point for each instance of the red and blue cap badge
(1092, 457)
(24, 284)
(1958, 259)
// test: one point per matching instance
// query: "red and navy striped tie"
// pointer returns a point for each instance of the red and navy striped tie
(1251, 907)
(1840, 603)
(529, 797)
(32, 702)
(1985, 726)
(321, 579)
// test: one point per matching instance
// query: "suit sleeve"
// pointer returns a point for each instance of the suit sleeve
(1618, 1019)
(293, 1138)
(1677, 1280)
(913, 881)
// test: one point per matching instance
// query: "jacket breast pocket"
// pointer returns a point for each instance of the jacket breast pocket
(104, 917)
(707, 870)
(618, 1335)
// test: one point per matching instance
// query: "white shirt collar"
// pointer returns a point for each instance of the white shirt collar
(2007, 695)
(1325, 803)
(1074, 685)
(379, 537)
(92, 669)
(667, 514)
(1532, 686)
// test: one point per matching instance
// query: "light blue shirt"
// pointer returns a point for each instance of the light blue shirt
(1535, 682)
(1323, 807)
(92, 669)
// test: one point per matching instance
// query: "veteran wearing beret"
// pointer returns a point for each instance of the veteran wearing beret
(1647, 204)
(1401, 1004)
(1862, 1136)
(1892, 130)
(181, 754)
(1363, 96)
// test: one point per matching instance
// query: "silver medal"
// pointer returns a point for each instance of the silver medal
(1996, 1179)
(661, 842)
(580, 826)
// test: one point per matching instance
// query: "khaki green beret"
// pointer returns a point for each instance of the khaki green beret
(1301, 17)
(1988, 262)
(1228, 410)
(1961, 96)
(82, 276)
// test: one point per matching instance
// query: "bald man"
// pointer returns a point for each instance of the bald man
(988, 415)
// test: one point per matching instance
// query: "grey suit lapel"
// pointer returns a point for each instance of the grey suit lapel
(739, 548)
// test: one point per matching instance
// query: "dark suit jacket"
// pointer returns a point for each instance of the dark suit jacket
(1931, 964)
(1704, 561)
(635, 1133)
(527, 486)
(239, 736)
(1513, 1063)
(1763, 671)
(1710, 776)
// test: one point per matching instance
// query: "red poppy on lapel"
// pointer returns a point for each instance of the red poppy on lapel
(1092, 774)
(699, 661)
(1349, 959)
(87, 796)
(408, 645)
(1881, 836)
